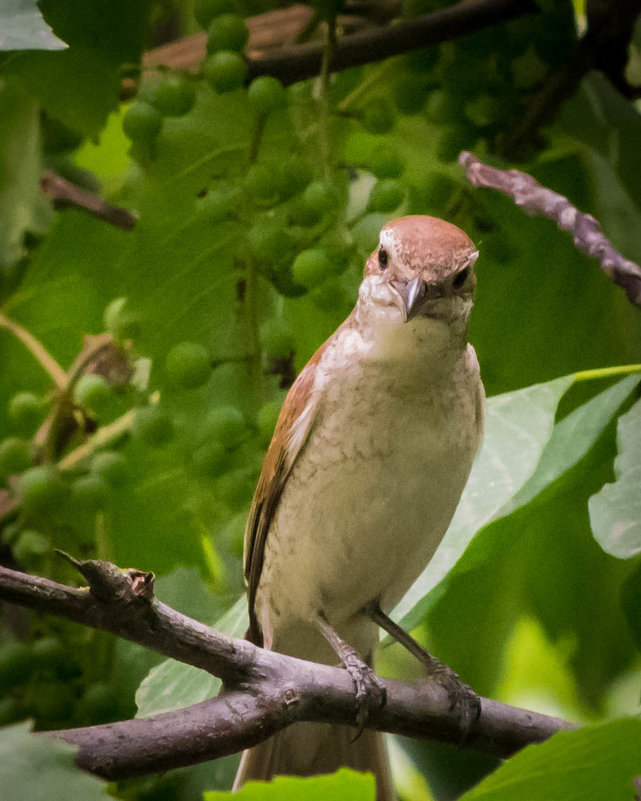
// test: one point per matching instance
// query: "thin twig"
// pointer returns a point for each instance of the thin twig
(537, 200)
(64, 193)
(264, 691)
(37, 350)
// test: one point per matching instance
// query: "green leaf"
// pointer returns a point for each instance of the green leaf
(42, 768)
(344, 785)
(615, 512)
(597, 763)
(518, 426)
(173, 685)
(23, 28)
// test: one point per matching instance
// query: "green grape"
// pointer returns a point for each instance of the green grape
(267, 419)
(453, 139)
(25, 411)
(266, 94)
(317, 199)
(49, 653)
(386, 195)
(443, 107)
(122, 323)
(172, 95)
(111, 466)
(484, 109)
(277, 337)
(329, 296)
(188, 365)
(142, 122)
(14, 456)
(30, 547)
(206, 10)
(41, 489)
(227, 32)
(295, 175)
(227, 425)
(378, 116)
(269, 241)
(263, 184)
(153, 426)
(235, 489)
(16, 664)
(210, 460)
(99, 704)
(311, 268)
(385, 162)
(221, 202)
(92, 392)
(226, 71)
(90, 492)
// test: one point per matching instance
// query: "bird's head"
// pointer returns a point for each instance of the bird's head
(423, 267)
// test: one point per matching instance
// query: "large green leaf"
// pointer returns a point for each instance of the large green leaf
(615, 511)
(597, 763)
(344, 785)
(23, 28)
(42, 769)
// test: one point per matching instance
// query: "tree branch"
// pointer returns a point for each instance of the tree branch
(64, 194)
(263, 691)
(537, 200)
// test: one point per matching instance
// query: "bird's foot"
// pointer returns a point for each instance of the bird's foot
(370, 690)
(463, 700)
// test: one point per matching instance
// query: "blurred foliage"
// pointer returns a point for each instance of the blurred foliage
(142, 370)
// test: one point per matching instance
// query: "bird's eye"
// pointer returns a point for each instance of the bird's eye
(383, 258)
(460, 278)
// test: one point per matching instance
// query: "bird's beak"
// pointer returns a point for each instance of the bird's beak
(410, 294)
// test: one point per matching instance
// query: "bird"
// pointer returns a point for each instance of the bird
(369, 457)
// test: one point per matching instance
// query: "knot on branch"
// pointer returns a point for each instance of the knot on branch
(109, 583)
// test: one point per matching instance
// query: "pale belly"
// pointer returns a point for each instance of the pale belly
(362, 514)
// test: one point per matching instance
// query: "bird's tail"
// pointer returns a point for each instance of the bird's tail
(306, 749)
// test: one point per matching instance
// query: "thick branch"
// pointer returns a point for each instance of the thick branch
(264, 691)
(535, 199)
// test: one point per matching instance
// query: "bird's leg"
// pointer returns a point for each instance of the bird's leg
(462, 698)
(370, 691)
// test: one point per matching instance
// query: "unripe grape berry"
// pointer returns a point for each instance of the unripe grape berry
(266, 94)
(235, 488)
(227, 32)
(30, 547)
(90, 492)
(14, 456)
(226, 71)
(386, 195)
(227, 425)
(267, 419)
(386, 163)
(92, 392)
(316, 200)
(378, 116)
(268, 240)
(443, 107)
(49, 652)
(295, 175)
(111, 466)
(142, 122)
(277, 337)
(188, 365)
(311, 268)
(210, 460)
(172, 95)
(206, 10)
(41, 489)
(153, 426)
(120, 321)
(25, 411)
(262, 181)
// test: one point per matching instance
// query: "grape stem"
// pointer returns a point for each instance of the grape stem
(103, 436)
(37, 350)
(326, 68)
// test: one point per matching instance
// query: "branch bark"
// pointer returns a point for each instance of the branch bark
(263, 691)
(538, 200)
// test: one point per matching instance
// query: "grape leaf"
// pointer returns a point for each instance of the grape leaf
(23, 28)
(596, 763)
(615, 511)
(42, 769)
(344, 785)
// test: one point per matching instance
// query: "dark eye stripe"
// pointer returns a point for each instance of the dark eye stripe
(383, 258)
(460, 278)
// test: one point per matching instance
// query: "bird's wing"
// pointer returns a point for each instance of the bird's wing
(292, 432)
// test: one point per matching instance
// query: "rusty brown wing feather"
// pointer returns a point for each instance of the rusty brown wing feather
(292, 431)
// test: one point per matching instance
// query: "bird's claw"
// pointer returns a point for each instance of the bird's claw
(370, 690)
(463, 700)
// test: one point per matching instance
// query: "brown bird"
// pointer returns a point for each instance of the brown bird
(371, 452)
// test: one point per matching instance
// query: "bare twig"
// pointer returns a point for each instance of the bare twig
(37, 350)
(296, 62)
(64, 194)
(537, 200)
(263, 693)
